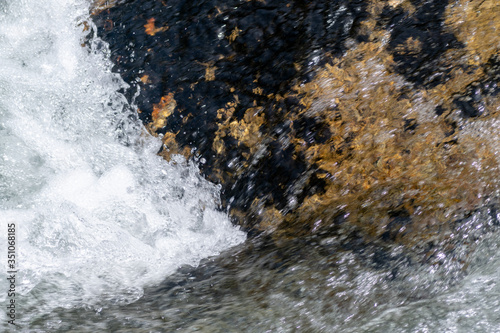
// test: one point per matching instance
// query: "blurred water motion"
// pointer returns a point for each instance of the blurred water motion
(356, 142)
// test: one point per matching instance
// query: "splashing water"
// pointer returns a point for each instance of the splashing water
(100, 217)
(98, 214)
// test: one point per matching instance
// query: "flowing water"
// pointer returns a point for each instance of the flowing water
(103, 223)
(98, 214)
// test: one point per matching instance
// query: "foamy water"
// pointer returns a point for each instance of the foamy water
(98, 214)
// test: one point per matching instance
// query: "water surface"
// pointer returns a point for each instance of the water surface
(103, 223)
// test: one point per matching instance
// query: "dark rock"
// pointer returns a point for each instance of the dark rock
(307, 111)
(418, 41)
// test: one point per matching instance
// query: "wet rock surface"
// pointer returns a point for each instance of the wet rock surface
(213, 75)
(374, 115)
(356, 141)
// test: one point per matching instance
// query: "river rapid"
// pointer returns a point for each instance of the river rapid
(109, 236)
(98, 215)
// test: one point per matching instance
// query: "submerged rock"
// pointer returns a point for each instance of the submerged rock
(374, 116)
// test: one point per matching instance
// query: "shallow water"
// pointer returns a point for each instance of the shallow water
(308, 285)
(103, 224)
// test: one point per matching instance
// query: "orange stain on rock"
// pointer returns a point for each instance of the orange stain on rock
(151, 29)
(162, 111)
(145, 79)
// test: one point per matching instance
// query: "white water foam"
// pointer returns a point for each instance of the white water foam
(98, 214)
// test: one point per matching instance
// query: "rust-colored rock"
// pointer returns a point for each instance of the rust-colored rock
(384, 121)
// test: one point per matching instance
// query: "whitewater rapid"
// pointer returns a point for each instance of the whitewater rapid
(98, 214)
